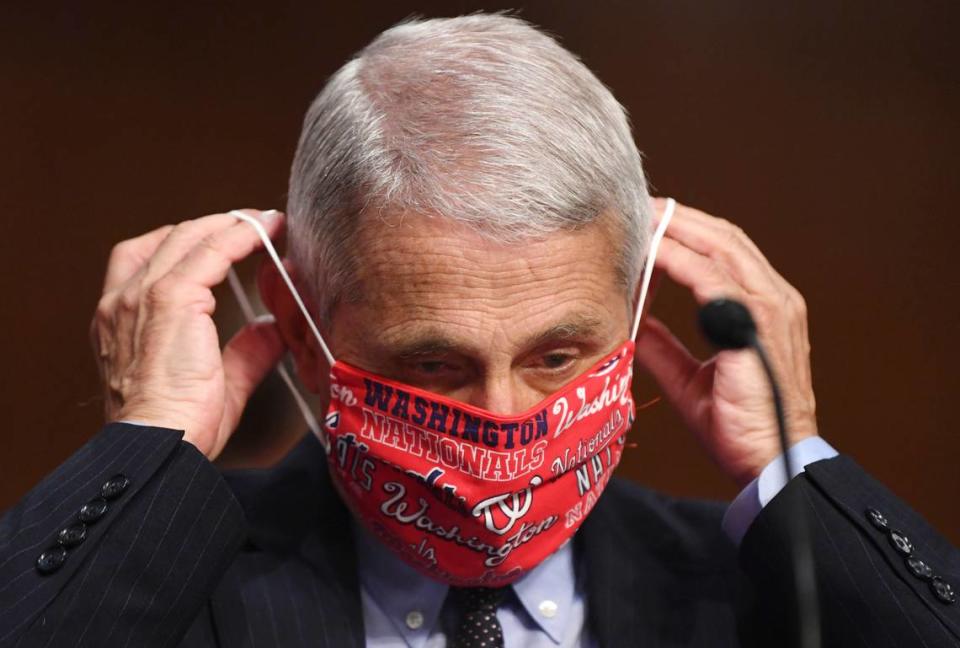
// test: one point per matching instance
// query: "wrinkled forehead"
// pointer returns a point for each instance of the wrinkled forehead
(420, 274)
(424, 261)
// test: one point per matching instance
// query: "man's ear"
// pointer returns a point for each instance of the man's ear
(312, 368)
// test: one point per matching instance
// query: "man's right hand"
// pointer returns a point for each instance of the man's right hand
(154, 335)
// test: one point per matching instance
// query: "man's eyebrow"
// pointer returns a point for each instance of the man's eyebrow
(578, 326)
(428, 345)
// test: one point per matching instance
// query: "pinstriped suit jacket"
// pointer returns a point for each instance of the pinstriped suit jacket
(189, 557)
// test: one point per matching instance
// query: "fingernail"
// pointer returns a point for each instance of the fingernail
(270, 215)
(265, 318)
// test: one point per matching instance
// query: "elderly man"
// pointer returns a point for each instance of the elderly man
(468, 221)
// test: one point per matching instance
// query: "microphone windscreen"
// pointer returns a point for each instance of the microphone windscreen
(727, 324)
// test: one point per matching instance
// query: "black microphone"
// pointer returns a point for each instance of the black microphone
(728, 325)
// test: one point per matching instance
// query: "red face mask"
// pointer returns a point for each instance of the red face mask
(467, 496)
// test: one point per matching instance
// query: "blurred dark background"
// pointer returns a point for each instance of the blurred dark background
(827, 130)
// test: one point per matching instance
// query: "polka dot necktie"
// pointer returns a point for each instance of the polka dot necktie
(478, 626)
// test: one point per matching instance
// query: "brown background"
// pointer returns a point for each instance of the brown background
(828, 130)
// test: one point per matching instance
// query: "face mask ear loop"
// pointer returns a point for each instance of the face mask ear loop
(272, 251)
(651, 257)
(247, 308)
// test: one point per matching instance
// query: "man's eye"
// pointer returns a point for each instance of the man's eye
(557, 360)
(432, 366)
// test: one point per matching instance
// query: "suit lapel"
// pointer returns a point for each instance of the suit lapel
(651, 579)
(295, 582)
(330, 551)
(621, 607)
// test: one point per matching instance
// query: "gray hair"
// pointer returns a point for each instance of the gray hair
(482, 119)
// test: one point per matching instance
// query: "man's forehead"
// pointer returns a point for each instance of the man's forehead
(423, 249)
(427, 286)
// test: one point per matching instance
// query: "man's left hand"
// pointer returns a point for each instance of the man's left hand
(726, 400)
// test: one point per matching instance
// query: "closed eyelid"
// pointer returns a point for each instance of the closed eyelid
(434, 350)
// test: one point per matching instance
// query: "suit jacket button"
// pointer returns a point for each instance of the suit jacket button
(114, 487)
(93, 510)
(901, 542)
(51, 560)
(942, 590)
(72, 535)
(919, 568)
(877, 519)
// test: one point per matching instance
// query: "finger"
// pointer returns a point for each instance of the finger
(687, 212)
(739, 256)
(727, 244)
(129, 256)
(128, 300)
(696, 222)
(208, 262)
(114, 318)
(666, 358)
(706, 278)
(101, 328)
(184, 238)
(247, 359)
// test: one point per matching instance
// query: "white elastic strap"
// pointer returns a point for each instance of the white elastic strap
(272, 251)
(651, 257)
(247, 309)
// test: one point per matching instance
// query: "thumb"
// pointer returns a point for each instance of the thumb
(247, 359)
(666, 358)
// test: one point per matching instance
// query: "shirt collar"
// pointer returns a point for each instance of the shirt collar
(546, 592)
(398, 589)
